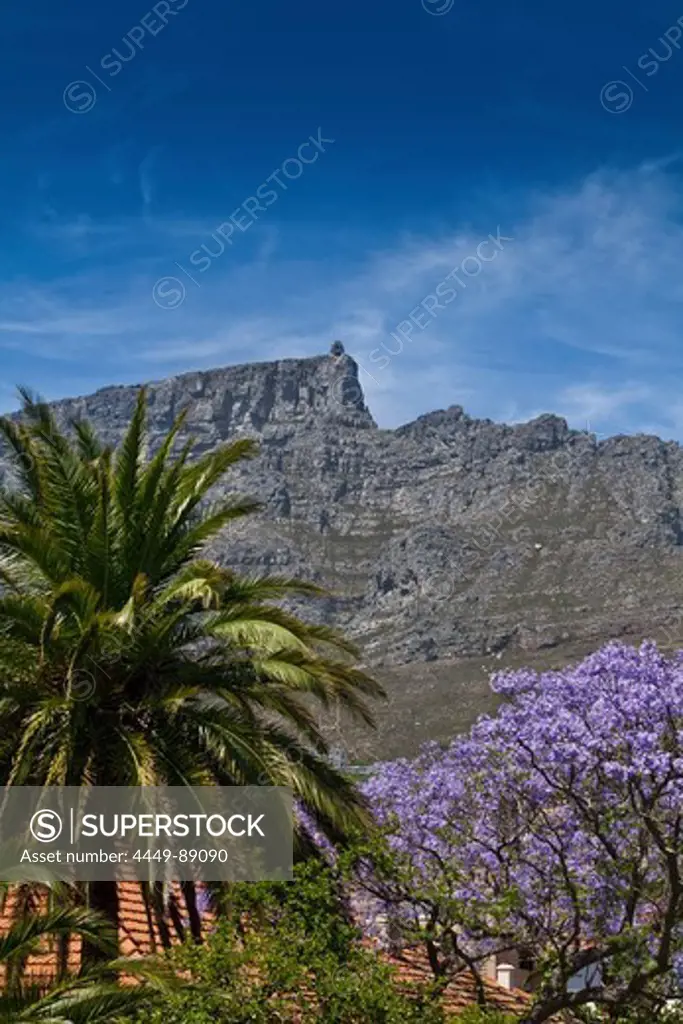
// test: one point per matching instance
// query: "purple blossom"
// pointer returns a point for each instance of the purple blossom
(556, 825)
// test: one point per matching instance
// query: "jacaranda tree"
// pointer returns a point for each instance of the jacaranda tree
(555, 827)
(127, 657)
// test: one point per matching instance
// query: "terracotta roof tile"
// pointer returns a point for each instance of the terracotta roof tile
(139, 936)
(138, 929)
(414, 973)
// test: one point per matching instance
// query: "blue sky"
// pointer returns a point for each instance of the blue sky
(136, 134)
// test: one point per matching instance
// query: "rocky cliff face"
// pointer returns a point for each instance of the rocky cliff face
(452, 545)
(253, 398)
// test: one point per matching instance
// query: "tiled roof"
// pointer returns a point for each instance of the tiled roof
(414, 973)
(139, 936)
(42, 966)
(138, 928)
(138, 931)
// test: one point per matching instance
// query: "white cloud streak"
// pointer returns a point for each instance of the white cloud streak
(580, 315)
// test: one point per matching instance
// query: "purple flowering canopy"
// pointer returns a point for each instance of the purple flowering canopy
(555, 827)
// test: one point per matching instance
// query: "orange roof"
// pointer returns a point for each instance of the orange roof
(138, 927)
(414, 973)
(139, 936)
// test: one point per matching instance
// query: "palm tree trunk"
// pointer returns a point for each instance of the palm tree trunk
(176, 917)
(156, 891)
(104, 897)
(189, 891)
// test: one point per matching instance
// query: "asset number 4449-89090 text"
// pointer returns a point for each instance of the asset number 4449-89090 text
(183, 856)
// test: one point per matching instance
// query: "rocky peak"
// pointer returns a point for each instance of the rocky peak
(249, 398)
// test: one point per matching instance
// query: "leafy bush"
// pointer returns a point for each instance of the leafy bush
(286, 953)
(475, 1015)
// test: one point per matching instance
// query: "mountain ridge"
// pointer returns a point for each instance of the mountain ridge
(448, 543)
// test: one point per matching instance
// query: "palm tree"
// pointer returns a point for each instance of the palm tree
(127, 657)
(91, 997)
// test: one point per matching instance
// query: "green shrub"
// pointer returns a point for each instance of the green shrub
(283, 953)
(475, 1015)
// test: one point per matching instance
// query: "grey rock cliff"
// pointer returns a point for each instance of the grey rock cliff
(452, 545)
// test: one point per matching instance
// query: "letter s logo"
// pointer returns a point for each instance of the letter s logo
(46, 826)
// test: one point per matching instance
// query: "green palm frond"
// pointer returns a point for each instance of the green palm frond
(92, 998)
(25, 935)
(89, 445)
(190, 671)
(198, 478)
(129, 458)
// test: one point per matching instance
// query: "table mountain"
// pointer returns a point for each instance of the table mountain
(452, 545)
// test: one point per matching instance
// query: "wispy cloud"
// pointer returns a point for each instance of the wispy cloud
(145, 177)
(580, 314)
(593, 403)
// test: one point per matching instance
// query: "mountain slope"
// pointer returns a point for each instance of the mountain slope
(452, 545)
